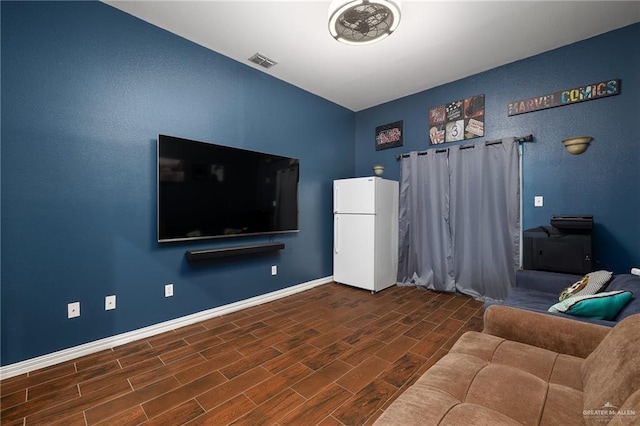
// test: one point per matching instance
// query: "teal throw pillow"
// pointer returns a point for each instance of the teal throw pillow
(597, 306)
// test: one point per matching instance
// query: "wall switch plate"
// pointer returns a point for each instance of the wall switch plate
(538, 201)
(168, 290)
(110, 302)
(73, 310)
(274, 270)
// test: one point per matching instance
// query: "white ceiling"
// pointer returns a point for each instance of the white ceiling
(437, 41)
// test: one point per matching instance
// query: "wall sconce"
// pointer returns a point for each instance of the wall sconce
(577, 145)
(378, 169)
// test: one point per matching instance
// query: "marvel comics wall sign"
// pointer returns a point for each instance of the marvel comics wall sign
(457, 120)
(589, 92)
(389, 135)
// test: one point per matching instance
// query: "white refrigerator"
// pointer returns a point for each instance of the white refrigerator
(365, 239)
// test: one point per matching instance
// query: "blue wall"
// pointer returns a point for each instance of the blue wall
(85, 91)
(604, 181)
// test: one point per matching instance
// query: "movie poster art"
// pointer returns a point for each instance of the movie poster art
(457, 120)
(389, 135)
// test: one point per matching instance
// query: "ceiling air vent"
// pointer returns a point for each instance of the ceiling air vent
(262, 60)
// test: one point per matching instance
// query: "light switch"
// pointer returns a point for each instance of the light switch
(538, 201)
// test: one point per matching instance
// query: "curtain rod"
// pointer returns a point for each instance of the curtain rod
(528, 138)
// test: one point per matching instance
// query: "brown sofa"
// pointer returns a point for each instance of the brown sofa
(528, 368)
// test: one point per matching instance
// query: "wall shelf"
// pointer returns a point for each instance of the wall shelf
(216, 253)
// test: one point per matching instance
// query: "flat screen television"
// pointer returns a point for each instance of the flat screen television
(213, 191)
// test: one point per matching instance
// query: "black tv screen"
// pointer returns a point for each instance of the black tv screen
(212, 191)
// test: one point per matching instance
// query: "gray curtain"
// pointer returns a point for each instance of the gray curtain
(485, 217)
(460, 219)
(424, 241)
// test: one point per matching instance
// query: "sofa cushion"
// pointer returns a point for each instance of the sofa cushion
(561, 406)
(479, 345)
(591, 283)
(509, 391)
(611, 373)
(453, 374)
(531, 368)
(419, 405)
(486, 379)
(567, 372)
(599, 306)
(472, 414)
(531, 359)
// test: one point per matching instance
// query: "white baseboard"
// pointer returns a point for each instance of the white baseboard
(53, 358)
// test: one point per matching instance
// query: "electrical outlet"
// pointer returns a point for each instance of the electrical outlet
(168, 290)
(538, 201)
(73, 310)
(274, 270)
(110, 302)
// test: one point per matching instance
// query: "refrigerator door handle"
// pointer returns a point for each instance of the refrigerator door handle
(336, 199)
(336, 234)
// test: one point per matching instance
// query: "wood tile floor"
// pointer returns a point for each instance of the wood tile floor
(332, 355)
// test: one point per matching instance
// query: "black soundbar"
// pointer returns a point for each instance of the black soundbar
(216, 253)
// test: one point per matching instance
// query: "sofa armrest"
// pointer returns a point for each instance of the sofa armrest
(548, 282)
(556, 334)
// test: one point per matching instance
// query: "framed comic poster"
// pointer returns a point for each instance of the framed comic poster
(389, 135)
(457, 120)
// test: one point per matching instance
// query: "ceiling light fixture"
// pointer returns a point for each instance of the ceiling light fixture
(358, 22)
